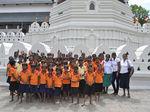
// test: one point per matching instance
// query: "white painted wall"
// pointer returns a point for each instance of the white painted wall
(72, 25)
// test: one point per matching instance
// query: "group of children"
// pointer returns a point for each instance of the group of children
(53, 79)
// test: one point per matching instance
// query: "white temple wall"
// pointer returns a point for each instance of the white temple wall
(72, 24)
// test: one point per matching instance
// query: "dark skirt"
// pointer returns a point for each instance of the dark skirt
(82, 86)
(34, 89)
(42, 88)
(49, 91)
(98, 87)
(57, 91)
(124, 80)
(24, 88)
(89, 90)
(74, 90)
(14, 86)
(8, 79)
(66, 88)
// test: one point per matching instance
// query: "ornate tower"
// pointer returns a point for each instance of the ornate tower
(97, 12)
(92, 22)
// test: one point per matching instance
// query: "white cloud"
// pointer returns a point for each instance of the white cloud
(139, 2)
(143, 3)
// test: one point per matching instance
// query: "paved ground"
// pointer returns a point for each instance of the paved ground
(139, 102)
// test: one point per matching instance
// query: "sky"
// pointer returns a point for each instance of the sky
(143, 3)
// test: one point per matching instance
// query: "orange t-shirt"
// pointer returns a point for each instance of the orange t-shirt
(29, 67)
(94, 65)
(90, 78)
(99, 77)
(34, 78)
(75, 80)
(49, 81)
(24, 77)
(42, 77)
(13, 73)
(57, 81)
(66, 77)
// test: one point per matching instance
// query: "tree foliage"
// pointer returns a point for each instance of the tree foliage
(140, 14)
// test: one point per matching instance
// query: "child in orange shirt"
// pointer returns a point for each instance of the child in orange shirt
(24, 81)
(49, 83)
(7, 73)
(30, 62)
(94, 62)
(75, 78)
(66, 82)
(34, 81)
(42, 82)
(57, 84)
(89, 77)
(14, 85)
(99, 79)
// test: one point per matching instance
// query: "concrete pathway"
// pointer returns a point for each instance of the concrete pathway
(139, 102)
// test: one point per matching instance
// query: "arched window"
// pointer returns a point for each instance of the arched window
(92, 6)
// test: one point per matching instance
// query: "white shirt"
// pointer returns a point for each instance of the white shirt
(115, 64)
(125, 65)
(108, 69)
(82, 71)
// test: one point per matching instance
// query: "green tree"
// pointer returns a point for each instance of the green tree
(140, 14)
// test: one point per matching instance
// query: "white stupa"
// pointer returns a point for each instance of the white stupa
(96, 25)
(92, 23)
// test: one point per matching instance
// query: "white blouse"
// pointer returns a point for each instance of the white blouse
(125, 65)
(115, 64)
(82, 71)
(108, 68)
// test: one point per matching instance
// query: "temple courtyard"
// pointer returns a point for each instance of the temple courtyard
(139, 101)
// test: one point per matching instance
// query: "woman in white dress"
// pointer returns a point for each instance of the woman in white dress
(126, 71)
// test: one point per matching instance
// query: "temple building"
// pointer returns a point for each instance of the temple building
(90, 26)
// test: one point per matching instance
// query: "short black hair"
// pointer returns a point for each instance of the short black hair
(12, 62)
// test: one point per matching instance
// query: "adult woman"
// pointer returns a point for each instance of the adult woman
(108, 70)
(126, 71)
